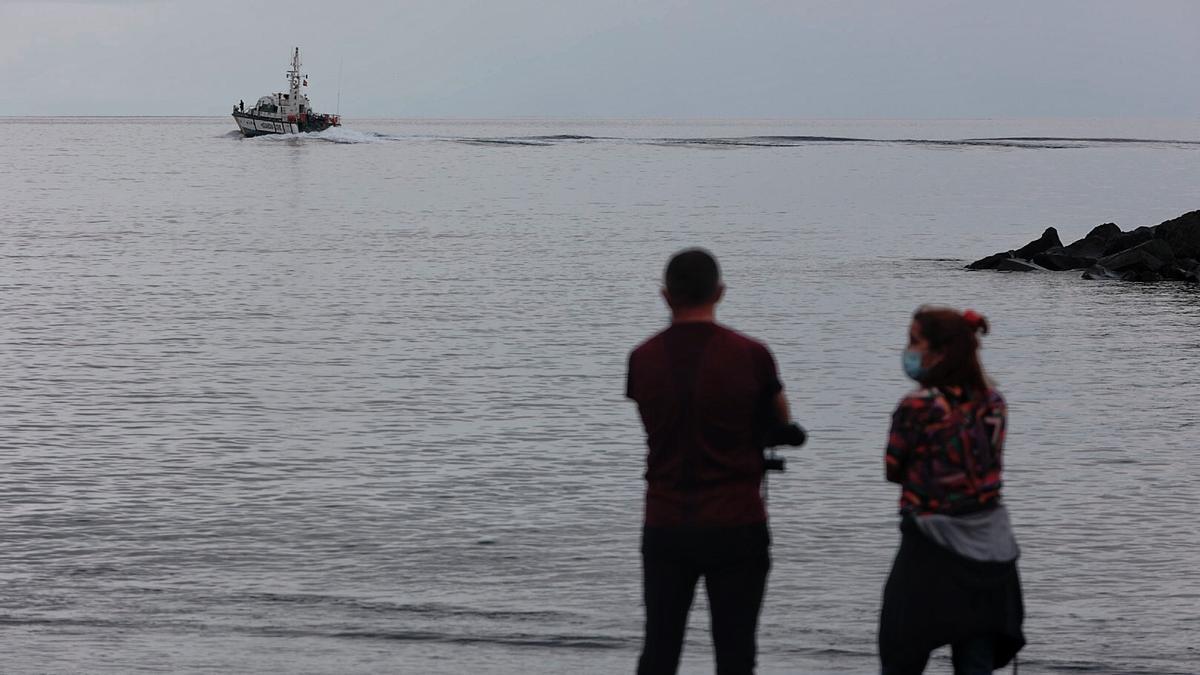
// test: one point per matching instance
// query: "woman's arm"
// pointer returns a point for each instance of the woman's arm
(900, 444)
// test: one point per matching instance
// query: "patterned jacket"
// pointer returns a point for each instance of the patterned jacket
(945, 451)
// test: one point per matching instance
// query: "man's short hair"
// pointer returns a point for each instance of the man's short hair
(692, 277)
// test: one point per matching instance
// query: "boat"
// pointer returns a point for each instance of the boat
(284, 113)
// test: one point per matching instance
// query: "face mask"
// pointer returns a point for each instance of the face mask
(912, 364)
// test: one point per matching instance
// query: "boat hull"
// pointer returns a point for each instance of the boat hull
(257, 125)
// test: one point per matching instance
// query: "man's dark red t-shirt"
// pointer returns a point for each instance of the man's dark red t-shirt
(703, 392)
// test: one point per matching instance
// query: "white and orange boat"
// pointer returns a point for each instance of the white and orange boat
(284, 113)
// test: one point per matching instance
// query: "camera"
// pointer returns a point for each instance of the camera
(780, 435)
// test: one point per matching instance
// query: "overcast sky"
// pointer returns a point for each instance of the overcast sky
(616, 58)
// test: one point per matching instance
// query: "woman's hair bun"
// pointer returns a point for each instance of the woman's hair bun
(976, 321)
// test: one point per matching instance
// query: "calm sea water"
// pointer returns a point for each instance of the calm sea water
(352, 402)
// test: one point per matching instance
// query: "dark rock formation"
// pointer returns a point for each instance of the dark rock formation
(1014, 265)
(1143, 276)
(1081, 254)
(991, 262)
(1094, 273)
(1048, 240)
(1183, 269)
(1183, 234)
(1149, 256)
(1129, 240)
(1167, 251)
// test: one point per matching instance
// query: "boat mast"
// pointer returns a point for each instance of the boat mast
(294, 76)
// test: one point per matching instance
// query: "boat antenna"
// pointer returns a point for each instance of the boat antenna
(339, 99)
(294, 75)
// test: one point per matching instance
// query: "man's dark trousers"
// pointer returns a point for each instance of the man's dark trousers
(734, 562)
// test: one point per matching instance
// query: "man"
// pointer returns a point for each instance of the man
(704, 392)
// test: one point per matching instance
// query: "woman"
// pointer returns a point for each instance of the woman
(955, 579)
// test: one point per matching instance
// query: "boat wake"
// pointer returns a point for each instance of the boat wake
(340, 135)
(1144, 141)
(345, 136)
(1017, 142)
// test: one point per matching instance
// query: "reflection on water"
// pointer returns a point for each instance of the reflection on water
(356, 406)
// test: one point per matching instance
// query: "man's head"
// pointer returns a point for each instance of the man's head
(692, 281)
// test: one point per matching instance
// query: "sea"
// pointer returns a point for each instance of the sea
(353, 402)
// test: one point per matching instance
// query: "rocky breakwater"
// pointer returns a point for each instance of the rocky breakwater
(1167, 251)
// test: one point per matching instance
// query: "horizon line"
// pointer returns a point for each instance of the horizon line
(635, 118)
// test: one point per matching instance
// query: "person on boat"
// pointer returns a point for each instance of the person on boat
(701, 389)
(954, 580)
(242, 105)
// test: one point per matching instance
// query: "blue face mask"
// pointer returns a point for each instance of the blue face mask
(912, 364)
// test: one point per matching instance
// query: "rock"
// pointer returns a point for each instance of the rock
(1057, 259)
(1174, 273)
(1103, 233)
(1167, 251)
(1094, 243)
(1183, 269)
(1147, 256)
(991, 262)
(1182, 233)
(1097, 273)
(1048, 240)
(1014, 265)
(1128, 240)
(1142, 276)
(1082, 253)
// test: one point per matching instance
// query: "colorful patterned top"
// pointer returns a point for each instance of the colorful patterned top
(945, 450)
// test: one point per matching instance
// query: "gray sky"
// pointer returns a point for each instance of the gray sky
(618, 58)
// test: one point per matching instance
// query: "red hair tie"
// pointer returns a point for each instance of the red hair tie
(973, 319)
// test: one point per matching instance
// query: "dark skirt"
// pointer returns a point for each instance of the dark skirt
(935, 597)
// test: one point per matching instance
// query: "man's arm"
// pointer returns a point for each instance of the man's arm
(782, 412)
(629, 377)
(768, 372)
